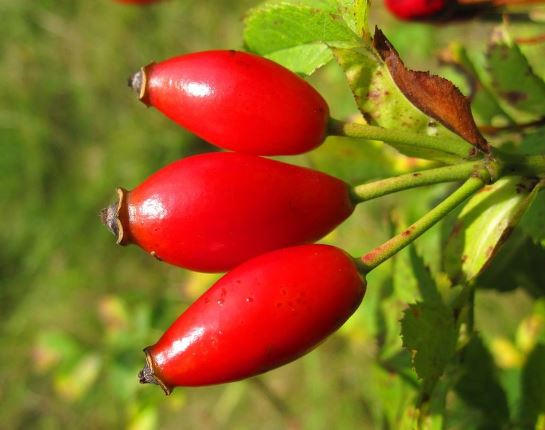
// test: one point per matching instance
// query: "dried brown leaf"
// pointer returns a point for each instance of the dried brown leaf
(433, 95)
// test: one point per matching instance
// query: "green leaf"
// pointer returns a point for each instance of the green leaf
(533, 143)
(484, 224)
(355, 13)
(533, 383)
(533, 221)
(303, 59)
(376, 94)
(429, 332)
(478, 386)
(405, 282)
(298, 34)
(515, 267)
(512, 75)
(484, 103)
(413, 279)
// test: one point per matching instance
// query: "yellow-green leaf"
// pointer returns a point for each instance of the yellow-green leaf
(484, 224)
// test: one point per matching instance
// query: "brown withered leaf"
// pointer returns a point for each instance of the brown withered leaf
(433, 95)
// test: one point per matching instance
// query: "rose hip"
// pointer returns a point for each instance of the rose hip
(265, 313)
(213, 211)
(237, 101)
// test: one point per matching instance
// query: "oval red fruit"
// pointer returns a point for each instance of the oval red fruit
(211, 212)
(237, 101)
(265, 313)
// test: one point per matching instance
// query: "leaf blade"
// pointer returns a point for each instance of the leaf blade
(283, 31)
(484, 224)
(505, 60)
(429, 332)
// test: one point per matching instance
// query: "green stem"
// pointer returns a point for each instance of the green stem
(372, 190)
(450, 146)
(381, 253)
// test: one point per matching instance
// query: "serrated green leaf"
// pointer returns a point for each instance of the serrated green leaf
(405, 282)
(533, 383)
(512, 76)
(297, 35)
(412, 278)
(429, 332)
(478, 385)
(484, 224)
(533, 221)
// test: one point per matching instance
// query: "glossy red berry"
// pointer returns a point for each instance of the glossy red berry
(213, 211)
(237, 101)
(265, 313)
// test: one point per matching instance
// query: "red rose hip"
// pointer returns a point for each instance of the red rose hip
(237, 101)
(213, 211)
(265, 313)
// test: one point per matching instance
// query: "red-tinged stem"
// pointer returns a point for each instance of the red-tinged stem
(383, 252)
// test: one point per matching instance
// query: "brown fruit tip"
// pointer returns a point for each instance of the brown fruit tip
(108, 217)
(147, 376)
(113, 215)
(138, 83)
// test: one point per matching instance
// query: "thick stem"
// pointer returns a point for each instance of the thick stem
(372, 190)
(452, 147)
(381, 253)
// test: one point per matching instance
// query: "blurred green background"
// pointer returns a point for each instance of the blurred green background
(76, 309)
